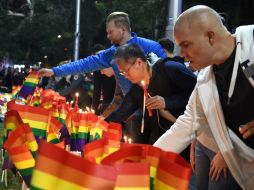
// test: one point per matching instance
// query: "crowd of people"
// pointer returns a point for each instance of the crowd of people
(161, 101)
(11, 77)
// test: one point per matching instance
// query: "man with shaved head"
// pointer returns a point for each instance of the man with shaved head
(220, 110)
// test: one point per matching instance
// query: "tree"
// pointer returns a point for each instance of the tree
(29, 28)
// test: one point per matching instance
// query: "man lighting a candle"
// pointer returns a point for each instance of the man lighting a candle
(168, 85)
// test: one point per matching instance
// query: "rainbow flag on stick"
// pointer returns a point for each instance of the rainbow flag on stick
(29, 85)
(63, 110)
(61, 170)
(22, 135)
(82, 136)
(23, 160)
(53, 130)
(37, 117)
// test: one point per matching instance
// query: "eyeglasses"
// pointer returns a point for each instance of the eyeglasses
(125, 72)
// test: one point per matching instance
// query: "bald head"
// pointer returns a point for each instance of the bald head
(199, 18)
(202, 37)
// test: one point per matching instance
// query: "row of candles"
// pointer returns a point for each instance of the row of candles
(125, 138)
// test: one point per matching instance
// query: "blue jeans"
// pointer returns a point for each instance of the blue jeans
(203, 158)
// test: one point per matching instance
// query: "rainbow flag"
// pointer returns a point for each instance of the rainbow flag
(132, 176)
(95, 150)
(63, 110)
(22, 146)
(73, 128)
(113, 136)
(29, 85)
(15, 90)
(23, 161)
(22, 135)
(167, 170)
(172, 175)
(53, 130)
(11, 121)
(97, 128)
(38, 118)
(82, 133)
(33, 100)
(61, 170)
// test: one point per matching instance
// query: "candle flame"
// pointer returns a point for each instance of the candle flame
(129, 140)
(87, 109)
(143, 83)
(77, 94)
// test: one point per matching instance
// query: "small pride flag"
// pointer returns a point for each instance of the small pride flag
(23, 160)
(29, 85)
(37, 117)
(61, 170)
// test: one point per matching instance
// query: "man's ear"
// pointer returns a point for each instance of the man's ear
(139, 61)
(211, 37)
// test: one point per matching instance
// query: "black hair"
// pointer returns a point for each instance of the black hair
(97, 47)
(129, 51)
(167, 44)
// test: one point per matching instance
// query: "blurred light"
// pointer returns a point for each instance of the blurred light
(45, 57)
(59, 36)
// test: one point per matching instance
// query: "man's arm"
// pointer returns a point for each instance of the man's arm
(185, 81)
(130, 104)
(118, 98)
(181, 134)
(86, 65)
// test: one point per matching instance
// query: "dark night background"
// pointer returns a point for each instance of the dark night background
(28, 32)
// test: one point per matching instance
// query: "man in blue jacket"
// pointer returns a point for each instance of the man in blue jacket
(119, 33)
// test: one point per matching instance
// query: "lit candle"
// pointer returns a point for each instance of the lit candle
(146, 97)
(88, 109)
(144, 106)
(129, 140)
(125, 139)
(71, 103)
(76, 103)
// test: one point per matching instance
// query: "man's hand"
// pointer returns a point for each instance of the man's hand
(247, 130)
(156, 102)
(46, 72)
(217, 166)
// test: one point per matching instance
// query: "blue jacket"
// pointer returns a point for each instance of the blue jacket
(104, 60)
